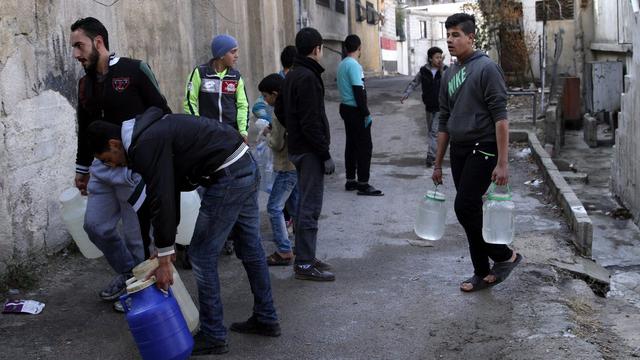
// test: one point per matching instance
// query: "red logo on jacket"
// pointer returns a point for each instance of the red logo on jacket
(229, 86)
(120, 84)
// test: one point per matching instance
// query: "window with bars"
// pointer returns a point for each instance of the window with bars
(360, 11)
(326, 3)
(423, 29)
(372, 14)
(554, 10)
(340, 6)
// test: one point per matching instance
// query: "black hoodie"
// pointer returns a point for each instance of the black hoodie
(172, 153)
(305, 117)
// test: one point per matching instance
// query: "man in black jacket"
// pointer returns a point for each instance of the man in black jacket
(429, 76)
(181, 152)
(114, 89)
(308, 140)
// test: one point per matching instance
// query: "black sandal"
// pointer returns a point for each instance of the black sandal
(276, 259)
(503, 269)
(478, 283)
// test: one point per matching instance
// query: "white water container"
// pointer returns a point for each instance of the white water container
(187, 307)
(498, 217)
(189, 209)
(74, 206)
(431, 216)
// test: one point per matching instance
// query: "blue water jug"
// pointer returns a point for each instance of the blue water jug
(156, 322)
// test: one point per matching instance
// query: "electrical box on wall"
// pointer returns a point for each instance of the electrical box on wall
(603, 86)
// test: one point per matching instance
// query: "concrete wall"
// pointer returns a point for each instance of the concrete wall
(333, 26)
(38, 85)
(626, 163)
(370, 58)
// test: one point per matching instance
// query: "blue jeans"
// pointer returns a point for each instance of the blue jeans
(230, 203)
(109, 189)
(284, 191)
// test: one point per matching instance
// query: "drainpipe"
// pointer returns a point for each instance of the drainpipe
(299, 15)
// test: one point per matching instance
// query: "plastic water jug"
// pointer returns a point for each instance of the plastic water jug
(189, 209)
(264, 159)
(498, 217)
(156, 323)
(74, 206)
(187, 307)
(432, 216)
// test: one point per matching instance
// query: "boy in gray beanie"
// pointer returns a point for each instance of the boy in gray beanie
(216, 90)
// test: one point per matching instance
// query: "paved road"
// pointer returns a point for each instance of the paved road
(391, 299)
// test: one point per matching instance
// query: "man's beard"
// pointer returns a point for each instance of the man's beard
(92, 62)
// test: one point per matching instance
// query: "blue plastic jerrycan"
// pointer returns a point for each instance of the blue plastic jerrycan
(156, 322)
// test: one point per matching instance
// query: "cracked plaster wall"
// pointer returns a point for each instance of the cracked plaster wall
(626, 162)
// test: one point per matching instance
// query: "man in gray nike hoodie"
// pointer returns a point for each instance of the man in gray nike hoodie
(473, 118)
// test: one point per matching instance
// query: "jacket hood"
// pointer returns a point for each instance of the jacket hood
(476, 55)
(140, 124)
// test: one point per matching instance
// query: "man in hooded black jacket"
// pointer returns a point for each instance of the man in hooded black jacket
(180, 152)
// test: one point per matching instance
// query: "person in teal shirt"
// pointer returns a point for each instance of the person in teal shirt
(357, 120)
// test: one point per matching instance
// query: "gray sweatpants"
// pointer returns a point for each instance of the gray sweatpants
(433, 119)
(109, 189)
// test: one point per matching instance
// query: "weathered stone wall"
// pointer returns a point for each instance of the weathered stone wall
(370, 36)
(38, 85)
(626, 163)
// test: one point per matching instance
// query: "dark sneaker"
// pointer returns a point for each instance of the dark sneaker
(204, 345)
(351, 185)
(369, 190)
(321, 265)
(116, 287)
(117, 307)
(253, 326)
(311, 272)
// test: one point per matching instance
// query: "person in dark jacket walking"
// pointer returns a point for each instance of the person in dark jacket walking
(308, 141)
(180, 152)
(114, 89)
(429, 77)
(473, 116)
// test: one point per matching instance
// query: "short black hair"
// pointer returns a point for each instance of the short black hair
(271, 83)
(307, 39)
(352, 43)
(99, 133)
(432, 51)
(466, 22)
(287, 56)
(92, 27)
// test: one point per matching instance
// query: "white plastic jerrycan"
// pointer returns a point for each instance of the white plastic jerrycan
(498, 216)
(74, 206)
(187, 307)
(189, 209)
(431, 216)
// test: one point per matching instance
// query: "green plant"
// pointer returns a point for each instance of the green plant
(21, 270)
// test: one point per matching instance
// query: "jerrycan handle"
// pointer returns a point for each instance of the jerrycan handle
(493, 187)
(123, 301)
(493, 196)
